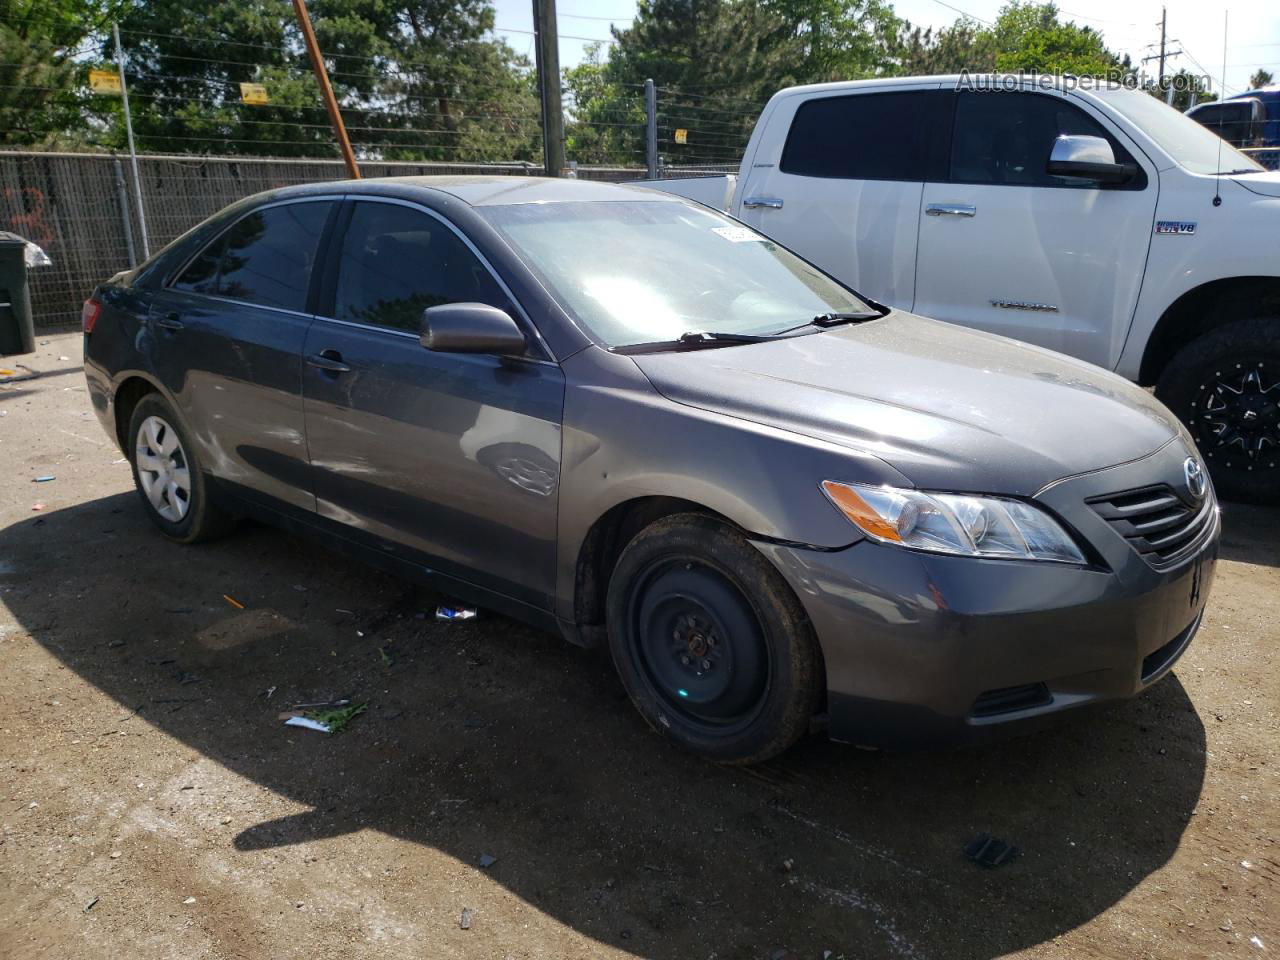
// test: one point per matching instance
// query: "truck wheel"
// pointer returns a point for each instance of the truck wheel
(710, 642)
(1225, 386)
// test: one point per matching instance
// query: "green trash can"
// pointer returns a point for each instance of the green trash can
(16, 332)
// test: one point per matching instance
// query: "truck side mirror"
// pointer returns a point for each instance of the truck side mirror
(1087, 158)
(471, 328)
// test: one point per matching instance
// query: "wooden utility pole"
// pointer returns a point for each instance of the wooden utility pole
(326, 89)
(547, 51)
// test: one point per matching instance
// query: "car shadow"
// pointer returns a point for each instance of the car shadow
(489, 737)
(1251, 534)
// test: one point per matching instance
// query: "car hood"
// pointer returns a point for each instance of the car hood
(1267, 184)
(948, 408)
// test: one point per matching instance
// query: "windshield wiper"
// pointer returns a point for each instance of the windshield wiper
(834, 319)
(695, 340)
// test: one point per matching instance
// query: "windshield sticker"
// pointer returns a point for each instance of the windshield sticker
(738, 234)
(1176, 228)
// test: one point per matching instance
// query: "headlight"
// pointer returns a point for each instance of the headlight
(953, 523)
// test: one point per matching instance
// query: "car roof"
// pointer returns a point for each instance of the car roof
(487, 191)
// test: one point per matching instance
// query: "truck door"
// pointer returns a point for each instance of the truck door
(1008, 248)
(838, 179)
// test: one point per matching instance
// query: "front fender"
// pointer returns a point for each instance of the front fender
(623, 441)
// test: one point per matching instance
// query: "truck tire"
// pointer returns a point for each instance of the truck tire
(1225, 386)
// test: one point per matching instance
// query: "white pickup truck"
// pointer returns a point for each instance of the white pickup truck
(1094, 221)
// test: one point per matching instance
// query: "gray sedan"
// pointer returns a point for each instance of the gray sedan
(620, 415)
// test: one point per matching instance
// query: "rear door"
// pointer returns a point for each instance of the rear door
(447, 459)
(839, 179)
(1007, 248)
(226, 337)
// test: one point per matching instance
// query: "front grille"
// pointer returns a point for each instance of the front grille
(1159, 524)
(1011, 699)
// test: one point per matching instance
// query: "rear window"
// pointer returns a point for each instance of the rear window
(868, 136)
(264, 258)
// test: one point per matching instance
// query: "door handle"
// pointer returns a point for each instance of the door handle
(773, 203)
(169, 321)
(330, 361)
(951, 210)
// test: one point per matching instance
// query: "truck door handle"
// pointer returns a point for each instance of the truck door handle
(773, 203)
(329, 361)
(169, 321)
(951, 210)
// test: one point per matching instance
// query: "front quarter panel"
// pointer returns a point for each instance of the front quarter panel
(624, 441)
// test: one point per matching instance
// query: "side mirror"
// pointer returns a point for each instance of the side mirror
(471, 328)
(1087, 158)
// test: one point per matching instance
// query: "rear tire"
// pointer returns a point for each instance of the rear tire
(711, 644)
(168, 475)
(1225, 386)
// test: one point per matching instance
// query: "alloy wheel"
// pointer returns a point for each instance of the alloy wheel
(163, 470)
(1237, 416)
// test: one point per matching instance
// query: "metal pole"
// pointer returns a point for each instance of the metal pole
(122, 195)
(1164, 17)
(546, 36)
(133, 153)
(651, 128)
(326, 89)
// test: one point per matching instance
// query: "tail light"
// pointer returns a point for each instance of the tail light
(89, 314)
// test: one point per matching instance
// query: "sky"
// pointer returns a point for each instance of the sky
(1253, 33)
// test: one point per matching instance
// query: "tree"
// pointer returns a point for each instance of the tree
(1029, 37)
(416, 79)
(965, 45)
(1260, 79)
(43, 97)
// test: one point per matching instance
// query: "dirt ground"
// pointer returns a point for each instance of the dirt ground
(152, 805)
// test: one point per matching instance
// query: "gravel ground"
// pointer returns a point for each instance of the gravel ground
(153, 805)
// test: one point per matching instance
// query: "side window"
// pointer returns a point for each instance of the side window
(264, 258)
(869, 136)
(396, 262)
(1005, 137)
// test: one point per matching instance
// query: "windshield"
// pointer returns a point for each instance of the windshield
(1193, 146)
(647, 271)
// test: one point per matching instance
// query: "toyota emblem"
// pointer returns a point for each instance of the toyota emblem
(1197, 483)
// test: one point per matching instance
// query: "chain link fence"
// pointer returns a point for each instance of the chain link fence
(81, 208)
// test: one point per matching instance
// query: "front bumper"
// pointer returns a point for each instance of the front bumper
(925, 648)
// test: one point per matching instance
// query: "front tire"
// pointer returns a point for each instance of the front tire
(1225, 386)
(170, 482)
(711, 644)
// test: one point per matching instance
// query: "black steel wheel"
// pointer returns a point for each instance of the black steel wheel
(1225, 386)
(710, 642)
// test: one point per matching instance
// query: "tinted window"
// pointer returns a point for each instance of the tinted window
(396, 262)
(1007, 137)
(264, 258)
(871, 136)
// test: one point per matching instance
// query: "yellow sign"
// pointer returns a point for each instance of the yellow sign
(253, 93)
(682, 136)
(104, 81)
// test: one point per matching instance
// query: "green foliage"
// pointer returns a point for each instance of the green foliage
(1261, 78)
(965, 45)
(1026, 37)
(42, 84)
(338, 718)
(416, 80)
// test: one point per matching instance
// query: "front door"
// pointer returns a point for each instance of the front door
(1009, 249)
(226, 340)
(839, 180)
(448, 460)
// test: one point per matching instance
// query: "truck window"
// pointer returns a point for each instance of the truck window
(868, 136)
(1005, 138)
